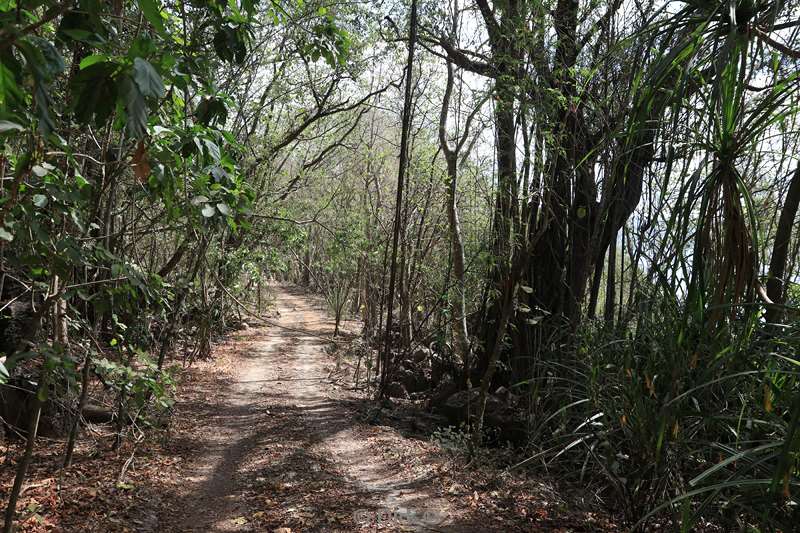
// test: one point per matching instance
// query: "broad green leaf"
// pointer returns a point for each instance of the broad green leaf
(135, 107)
(211, 110)
(88, 61)
(224, 209)
(76, 35)
(47, 61)
(143, 46)
(151, 9)
(161, 130)
(5, 234)
(39, 200)
(94, 92)
(9, 90)
(147, 79)
(212, 149)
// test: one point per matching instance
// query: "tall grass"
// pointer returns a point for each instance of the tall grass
(678, 425)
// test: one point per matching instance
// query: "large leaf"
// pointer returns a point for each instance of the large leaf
(229, 44)
(211, 110)
(44, 63)
(152, 12)
(84, 24)
(43, 59)
(90, 60)
(147, 79)
(5, 234)
(42, 98)
(9, 90)
(39, 200)
(135, 107)
(212, 149)
(94, 92)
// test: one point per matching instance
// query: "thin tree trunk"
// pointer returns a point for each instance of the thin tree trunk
(611, 282)
(595, 290)
(33, 425)
(73, 432)
(621, 274)
(306, 274)
(508, 295)
(169, 331)
(22, 468)
(505, 315)
(401, 174)
(458, 303)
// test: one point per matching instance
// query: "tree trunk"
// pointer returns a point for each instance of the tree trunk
(506, 310)
(504, 214)
(458, 304)
(22, 467)
(73, 432)
(458, 307)
(594, 293)
(611, 283)
(386, 366)
(507, 296)
(306, 267)
(783, 236)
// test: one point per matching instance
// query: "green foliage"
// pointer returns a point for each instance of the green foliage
(688, 423)
(140, 386)
(112, 127)
(327, 40)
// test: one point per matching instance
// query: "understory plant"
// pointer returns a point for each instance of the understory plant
(681, 424)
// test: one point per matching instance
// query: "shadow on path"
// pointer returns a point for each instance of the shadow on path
(279, 445)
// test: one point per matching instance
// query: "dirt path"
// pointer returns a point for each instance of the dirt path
(282, 446)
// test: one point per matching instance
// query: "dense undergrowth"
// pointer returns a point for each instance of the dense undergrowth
(676, 422)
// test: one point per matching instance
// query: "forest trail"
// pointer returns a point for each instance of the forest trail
(282, 446)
